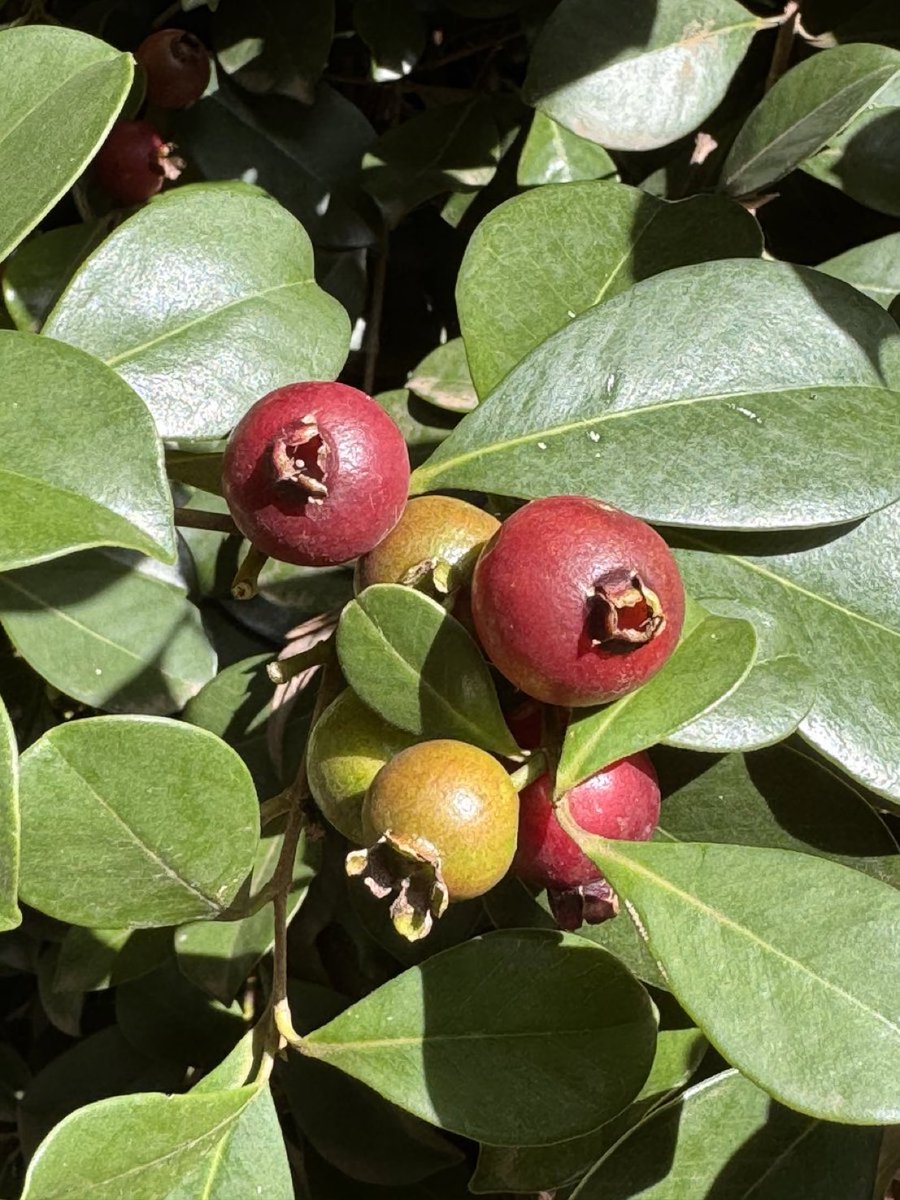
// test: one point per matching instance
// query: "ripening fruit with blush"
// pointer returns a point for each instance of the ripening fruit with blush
(577, 602)
(316, 474)
(347, 748)
(620, 801)
(176, 67)
(134, 162)
(440, 822)
(438, 536)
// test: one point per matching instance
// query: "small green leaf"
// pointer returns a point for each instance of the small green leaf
(543, 1168)
(442, 378)
(140, 1146)
(198, 468)
(635, 77)
(601, 407)
(10, 916)
(274, 45)
(204, 301)
(708, 664)
(725, 1137)
(477, 1038)
(779, 958)
(60, 91)
(803, 111)
(39, 270)
(408, 659)
(80, 465)
(537, 261)
(112, 629)
(873, 268)
(94, 959)
(165, 810)
(553, 154)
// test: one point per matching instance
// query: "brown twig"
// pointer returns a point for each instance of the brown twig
(373, 328)
(784, 42)
(195, 518)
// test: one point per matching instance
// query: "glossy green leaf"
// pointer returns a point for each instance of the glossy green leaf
(708, 664)
(204, 301)
(638, 76)
(394, 33)
(94, 959)
(749, 408)
(553, 154)
(779, 797)
(537, 261)
(839, 587)
(423, 429)
(63, 1010)
(779, 958)
(417, 666)
(771, 700)
(10, 916)
(39, 270)
(166, 810)
(542, 1168)
(141, 1145)
(80, 462)
(60, 91)
(109, 628)
(873, 268)
(725, 1139)
(274, 45)
(442, 378)
(217, 956)
(477, 1039)
(803, 111)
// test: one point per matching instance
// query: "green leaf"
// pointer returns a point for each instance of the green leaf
(217, 956)
(873, 268)
(725, 1137)
(779, 958)
(80, 464)
(540, 259)
(10, 916)
(274, 45)
(109, 628)
(771, 700)
(60, 91)
(708, 664)
(477, 1039)
(166, 811)
(204, 301)
(838, 587)
(442, 378)
(423, 429)
(94, 959)
(779, 797)
(543, 1168)
(197, 468)
(639, 76)
(552, 154)
(803, 112)
(413, 663)
(729, 434)
(394, 33)
(141, 1145)
(39, 270)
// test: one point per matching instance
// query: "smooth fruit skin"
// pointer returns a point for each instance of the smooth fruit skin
(577, 602)
(347, 748)
(133, 162)
(316, 474)
(452, 799)
(432, 528)
(176, 66)
(621, 801)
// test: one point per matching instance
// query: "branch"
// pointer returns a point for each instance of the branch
(783, 43)
(195, 518)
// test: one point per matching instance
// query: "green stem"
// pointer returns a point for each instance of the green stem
(534, 768)
(282, 670)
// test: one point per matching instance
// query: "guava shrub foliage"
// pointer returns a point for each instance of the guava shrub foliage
(448, 589)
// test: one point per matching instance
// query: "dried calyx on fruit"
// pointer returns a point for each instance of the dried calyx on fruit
(176, 67)
(134, 162)
(316, 474)
(577, 602)
(434, 545)
(440, 822)
(620, 801)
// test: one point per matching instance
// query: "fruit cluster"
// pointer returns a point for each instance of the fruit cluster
(572, 601)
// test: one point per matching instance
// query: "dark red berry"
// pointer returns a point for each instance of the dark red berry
(526, 723)
(621, 801)
(577, 602)
(176, 66)
(134, 162)
(316, 474)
